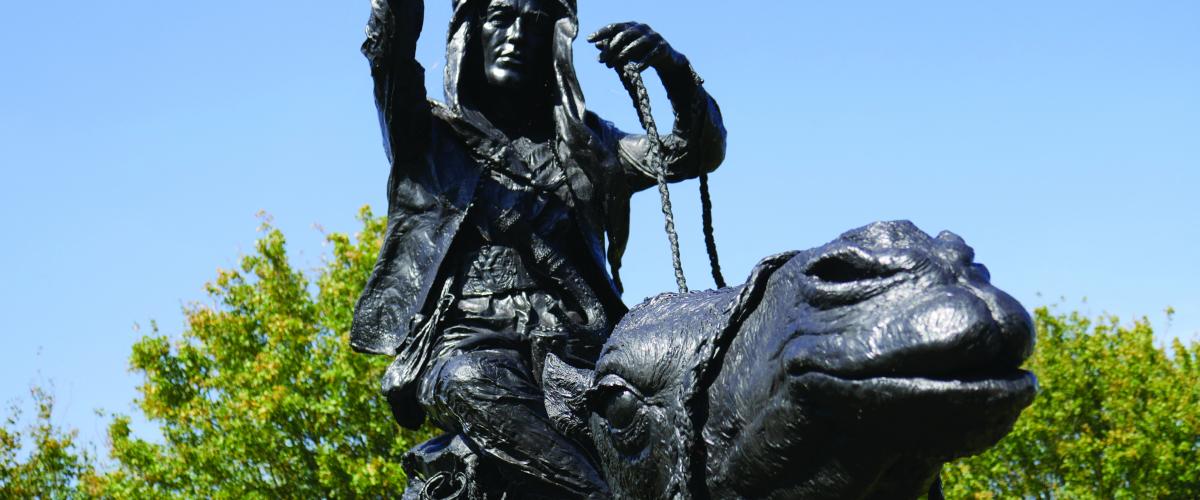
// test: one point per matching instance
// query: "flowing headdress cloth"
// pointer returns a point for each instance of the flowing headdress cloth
(575, 143)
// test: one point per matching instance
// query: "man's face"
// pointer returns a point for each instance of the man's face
(516, 38)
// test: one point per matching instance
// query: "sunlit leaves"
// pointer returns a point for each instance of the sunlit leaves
(1117, 417)
(261, 396)
(54, 465)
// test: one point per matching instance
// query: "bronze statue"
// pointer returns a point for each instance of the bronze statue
(502, 201)
(851, 370)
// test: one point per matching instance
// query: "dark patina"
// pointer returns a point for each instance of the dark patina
(853, 370)
(507, 219)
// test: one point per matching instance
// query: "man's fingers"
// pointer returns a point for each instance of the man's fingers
(622, 43)
(636, 50)
(607, 31)
(649, 59)
(611, 48)
(617, 43)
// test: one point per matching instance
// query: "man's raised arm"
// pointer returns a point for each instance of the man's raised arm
(391, 48)
(697, 143)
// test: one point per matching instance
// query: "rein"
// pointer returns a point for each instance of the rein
(631, 78)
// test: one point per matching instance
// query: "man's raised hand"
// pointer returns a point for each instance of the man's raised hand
(633, 42)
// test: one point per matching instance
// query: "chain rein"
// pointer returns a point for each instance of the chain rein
(699, 107)
(631, 77)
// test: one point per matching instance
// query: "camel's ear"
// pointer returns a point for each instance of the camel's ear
(566, 390)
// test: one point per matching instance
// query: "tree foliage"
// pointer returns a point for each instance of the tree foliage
(1116, 417)
(261, 397)
(54, 466)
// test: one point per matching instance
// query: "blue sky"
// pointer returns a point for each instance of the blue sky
(138, 139)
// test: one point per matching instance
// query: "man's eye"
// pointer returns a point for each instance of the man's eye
(501, 17)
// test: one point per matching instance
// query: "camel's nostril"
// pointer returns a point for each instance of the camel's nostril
(848, 267)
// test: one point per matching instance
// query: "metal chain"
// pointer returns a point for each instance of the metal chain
(710, 240)
(631, 77)
(700, 106)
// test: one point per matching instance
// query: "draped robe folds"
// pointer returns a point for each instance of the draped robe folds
(438, 153)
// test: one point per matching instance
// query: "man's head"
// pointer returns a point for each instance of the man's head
(516, 38)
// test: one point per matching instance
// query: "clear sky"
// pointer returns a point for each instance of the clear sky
(138, 139)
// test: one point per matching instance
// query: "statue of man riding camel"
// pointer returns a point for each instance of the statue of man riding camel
(851, 370)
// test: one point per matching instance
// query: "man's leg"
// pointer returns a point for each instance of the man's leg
(490, 397)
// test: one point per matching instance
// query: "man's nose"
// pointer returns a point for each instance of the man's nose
(516, 32)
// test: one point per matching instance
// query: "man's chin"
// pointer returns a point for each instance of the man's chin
(507, 79)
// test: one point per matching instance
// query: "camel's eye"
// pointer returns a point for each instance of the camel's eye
(621, 409)
(625, 411)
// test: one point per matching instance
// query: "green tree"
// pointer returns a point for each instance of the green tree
(54, 466)
(261, 396)
(1116, 417)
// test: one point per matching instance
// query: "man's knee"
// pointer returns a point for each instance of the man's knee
(478, 377)
(462, 373)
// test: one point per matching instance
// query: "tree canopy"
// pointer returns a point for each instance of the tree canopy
(1115, 417)
(53, 466)
(260, 396)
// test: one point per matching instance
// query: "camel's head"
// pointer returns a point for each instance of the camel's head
(851, 370)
